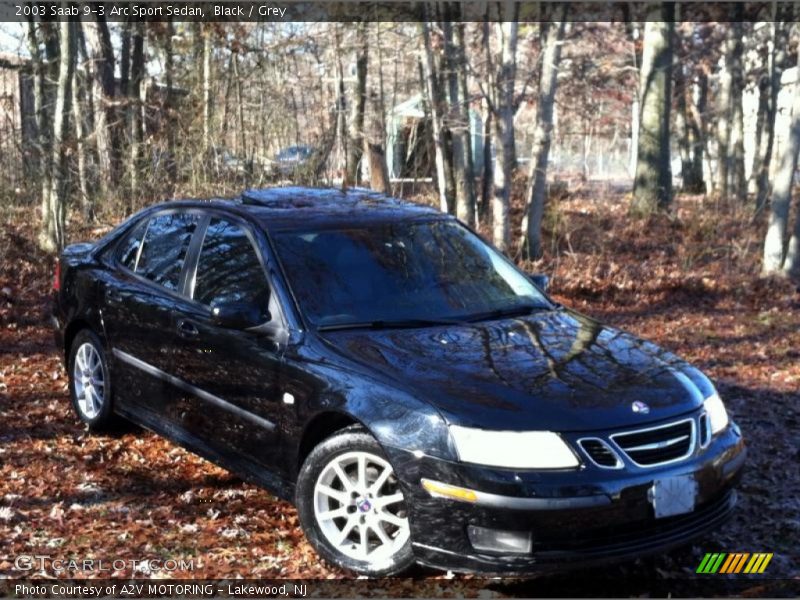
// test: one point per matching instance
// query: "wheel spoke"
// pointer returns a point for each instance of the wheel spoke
(344, 533)
(94, 360)
(393, 519)
(95, 399)
(382, 501)
(343, 477)
(381, 534)
(83, 401)
(362, 473)
(363, 532)
(342, 497)
(80, 361)
(333, 514)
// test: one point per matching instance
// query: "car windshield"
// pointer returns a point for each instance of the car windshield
(402, 272)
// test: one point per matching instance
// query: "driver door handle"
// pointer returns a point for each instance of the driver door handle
(187, 329)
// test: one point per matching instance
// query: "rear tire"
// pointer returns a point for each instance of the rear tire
(352, 507)
(90, 382)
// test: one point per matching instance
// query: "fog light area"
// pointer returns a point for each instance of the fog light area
(499, 541)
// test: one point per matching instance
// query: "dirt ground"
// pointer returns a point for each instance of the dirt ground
(689, 283)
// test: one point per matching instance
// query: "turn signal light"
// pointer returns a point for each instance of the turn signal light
(444, 490)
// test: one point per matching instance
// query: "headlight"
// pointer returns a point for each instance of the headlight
(513, 449)
(716, 413)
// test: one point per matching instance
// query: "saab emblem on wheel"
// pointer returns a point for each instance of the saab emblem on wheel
(640, 407)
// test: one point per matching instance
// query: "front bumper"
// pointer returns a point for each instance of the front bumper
(584, 516)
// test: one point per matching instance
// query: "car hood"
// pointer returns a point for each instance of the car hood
(555, 370)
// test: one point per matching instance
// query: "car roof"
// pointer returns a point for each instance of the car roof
(307, 208)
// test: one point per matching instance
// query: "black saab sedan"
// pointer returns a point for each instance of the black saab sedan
(416, 396)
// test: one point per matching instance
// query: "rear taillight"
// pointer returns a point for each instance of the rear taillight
(57, 277)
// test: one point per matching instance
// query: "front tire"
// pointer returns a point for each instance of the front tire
(90, 381)
(352, 507)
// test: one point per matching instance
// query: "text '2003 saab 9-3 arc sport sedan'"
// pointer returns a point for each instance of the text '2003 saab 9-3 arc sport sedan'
(417, 396)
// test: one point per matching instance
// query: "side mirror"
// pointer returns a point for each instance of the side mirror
(541, 280)
(238, 315)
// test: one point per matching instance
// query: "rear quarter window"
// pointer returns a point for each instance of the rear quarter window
(128, 250)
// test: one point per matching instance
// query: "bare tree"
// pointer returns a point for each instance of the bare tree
(769, 85)
(458, 121)
(101, 69)
(738, 182)
(51, 234)
(356, 146)
(207, 97)
(552, 36)
(775, 250)
(435, 97)
(652, 187)
(503, 109)
(136, 107)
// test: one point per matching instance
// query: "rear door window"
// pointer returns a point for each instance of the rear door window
(164, 249)
(228, 270)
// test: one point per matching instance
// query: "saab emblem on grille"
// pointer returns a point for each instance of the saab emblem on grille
(640, 407)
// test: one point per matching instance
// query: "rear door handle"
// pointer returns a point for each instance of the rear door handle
(187, 329)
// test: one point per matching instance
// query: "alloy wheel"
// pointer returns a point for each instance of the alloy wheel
(89, 380)
(360, 508)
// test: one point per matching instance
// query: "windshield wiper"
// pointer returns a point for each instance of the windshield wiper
(509, 311)
(390, 324)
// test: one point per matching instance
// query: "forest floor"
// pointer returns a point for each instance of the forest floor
(689, 283)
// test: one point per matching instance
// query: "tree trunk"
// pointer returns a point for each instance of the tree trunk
(774, 249)
(356, 146)
(436, 100)
(135, 122)
(487, 168)
(777, 58)
(51, 235)
(98, 39)
(633, 34)
(168, 103)
(207, 97)
(725, 110)
(537, 186)
(79, 121)
(458, 125)
(695, 182)
(738, 183)
(652, 188)
(504, 133)
(36, 162)
(241, 132)
(378, 172)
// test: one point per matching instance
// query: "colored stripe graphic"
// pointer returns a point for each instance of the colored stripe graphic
(715, 567)
(711, 563)
(758, 563)
(703, 563)
(765, 563)
(724, 563)
(740, 564)
(732, 558)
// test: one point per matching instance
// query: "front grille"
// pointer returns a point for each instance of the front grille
(600, 454)
(657, 445)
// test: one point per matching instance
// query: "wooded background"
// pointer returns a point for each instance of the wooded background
(100, 118)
